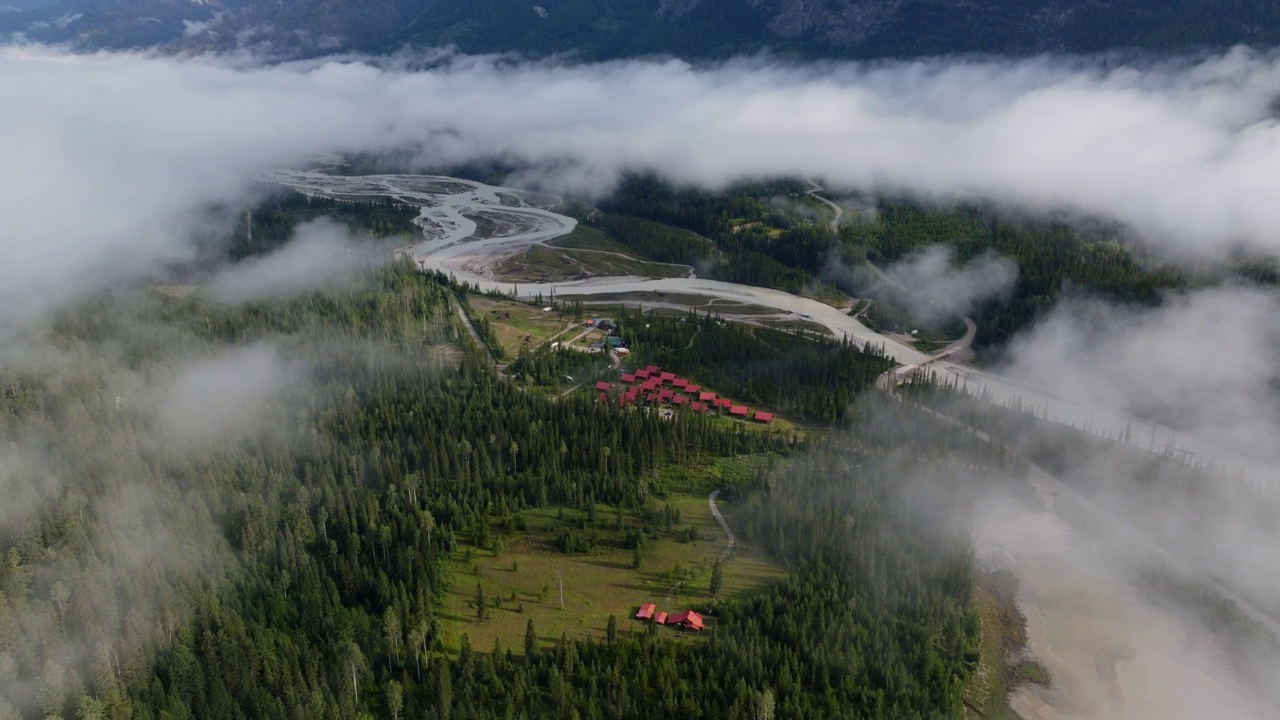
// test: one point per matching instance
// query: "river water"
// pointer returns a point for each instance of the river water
(1112, 653)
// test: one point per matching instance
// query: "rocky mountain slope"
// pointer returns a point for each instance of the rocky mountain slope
(600, 29)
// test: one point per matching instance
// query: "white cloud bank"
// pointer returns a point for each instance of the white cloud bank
(317, 257)
(105, 155)
(937, 286)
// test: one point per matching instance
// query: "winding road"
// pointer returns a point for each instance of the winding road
(468, 227)
(835, 207)
(733, 540)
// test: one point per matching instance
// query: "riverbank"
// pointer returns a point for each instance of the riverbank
(1109, 651)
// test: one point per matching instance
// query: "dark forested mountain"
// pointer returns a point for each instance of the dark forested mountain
(624, 28)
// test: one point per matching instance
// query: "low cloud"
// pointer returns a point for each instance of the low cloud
(192, 28)
(223, 396)
(935, 286)
(1205, 363)
(320, 256)
(108, 155)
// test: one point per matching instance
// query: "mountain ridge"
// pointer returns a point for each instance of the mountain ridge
(611, 29)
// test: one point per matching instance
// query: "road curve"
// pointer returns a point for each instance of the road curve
(456, 244)
(835, 207)
(715, 511)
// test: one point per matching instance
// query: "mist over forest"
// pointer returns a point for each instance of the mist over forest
(258, 458)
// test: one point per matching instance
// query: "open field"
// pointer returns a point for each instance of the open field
(587, 238)
(518, 325)
(540, 263)
(596, 584)
(988, 693)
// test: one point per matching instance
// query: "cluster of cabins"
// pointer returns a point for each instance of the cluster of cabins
(656, 387)
(687, 620)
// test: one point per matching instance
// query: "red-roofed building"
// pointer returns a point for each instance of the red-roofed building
(680, 400)
(692, 389)
(661, 619)
(707, 396)
(646, 611)
(680, 382)
(764, 417)
(653, 369)
(739, 411)
(603, 386)
(689, 620)
(642, 374)
(723, 403)
(664, 395)
(697, 406)
(667, 377)
(628, 378)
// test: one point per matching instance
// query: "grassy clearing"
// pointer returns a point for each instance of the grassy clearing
(587, 238)
(1003, 637)
(586, 339)
(541, 263)
(525, 575)
(518, 325)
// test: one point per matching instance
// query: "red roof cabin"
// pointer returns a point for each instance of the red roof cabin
(667, 377)
(692, 389)
(739, 411)
(689, 620)
(646, 611)
(661, 619)
(664, 395)
(707, 396)
(697, 406)
(653, 369)
(680, 400)
(642, 374)
(680, 382)
(602, 386)
(764, 417)
(723, 403)
(628, 378)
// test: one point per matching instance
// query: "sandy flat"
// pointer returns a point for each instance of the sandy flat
(1111, 653)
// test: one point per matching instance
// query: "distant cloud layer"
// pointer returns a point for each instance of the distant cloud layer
(106, 155)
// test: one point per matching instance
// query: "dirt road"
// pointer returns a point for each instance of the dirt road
(449, 208)
(715, 511)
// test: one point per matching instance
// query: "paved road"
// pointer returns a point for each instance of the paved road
(448, 206)
(839, 211)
